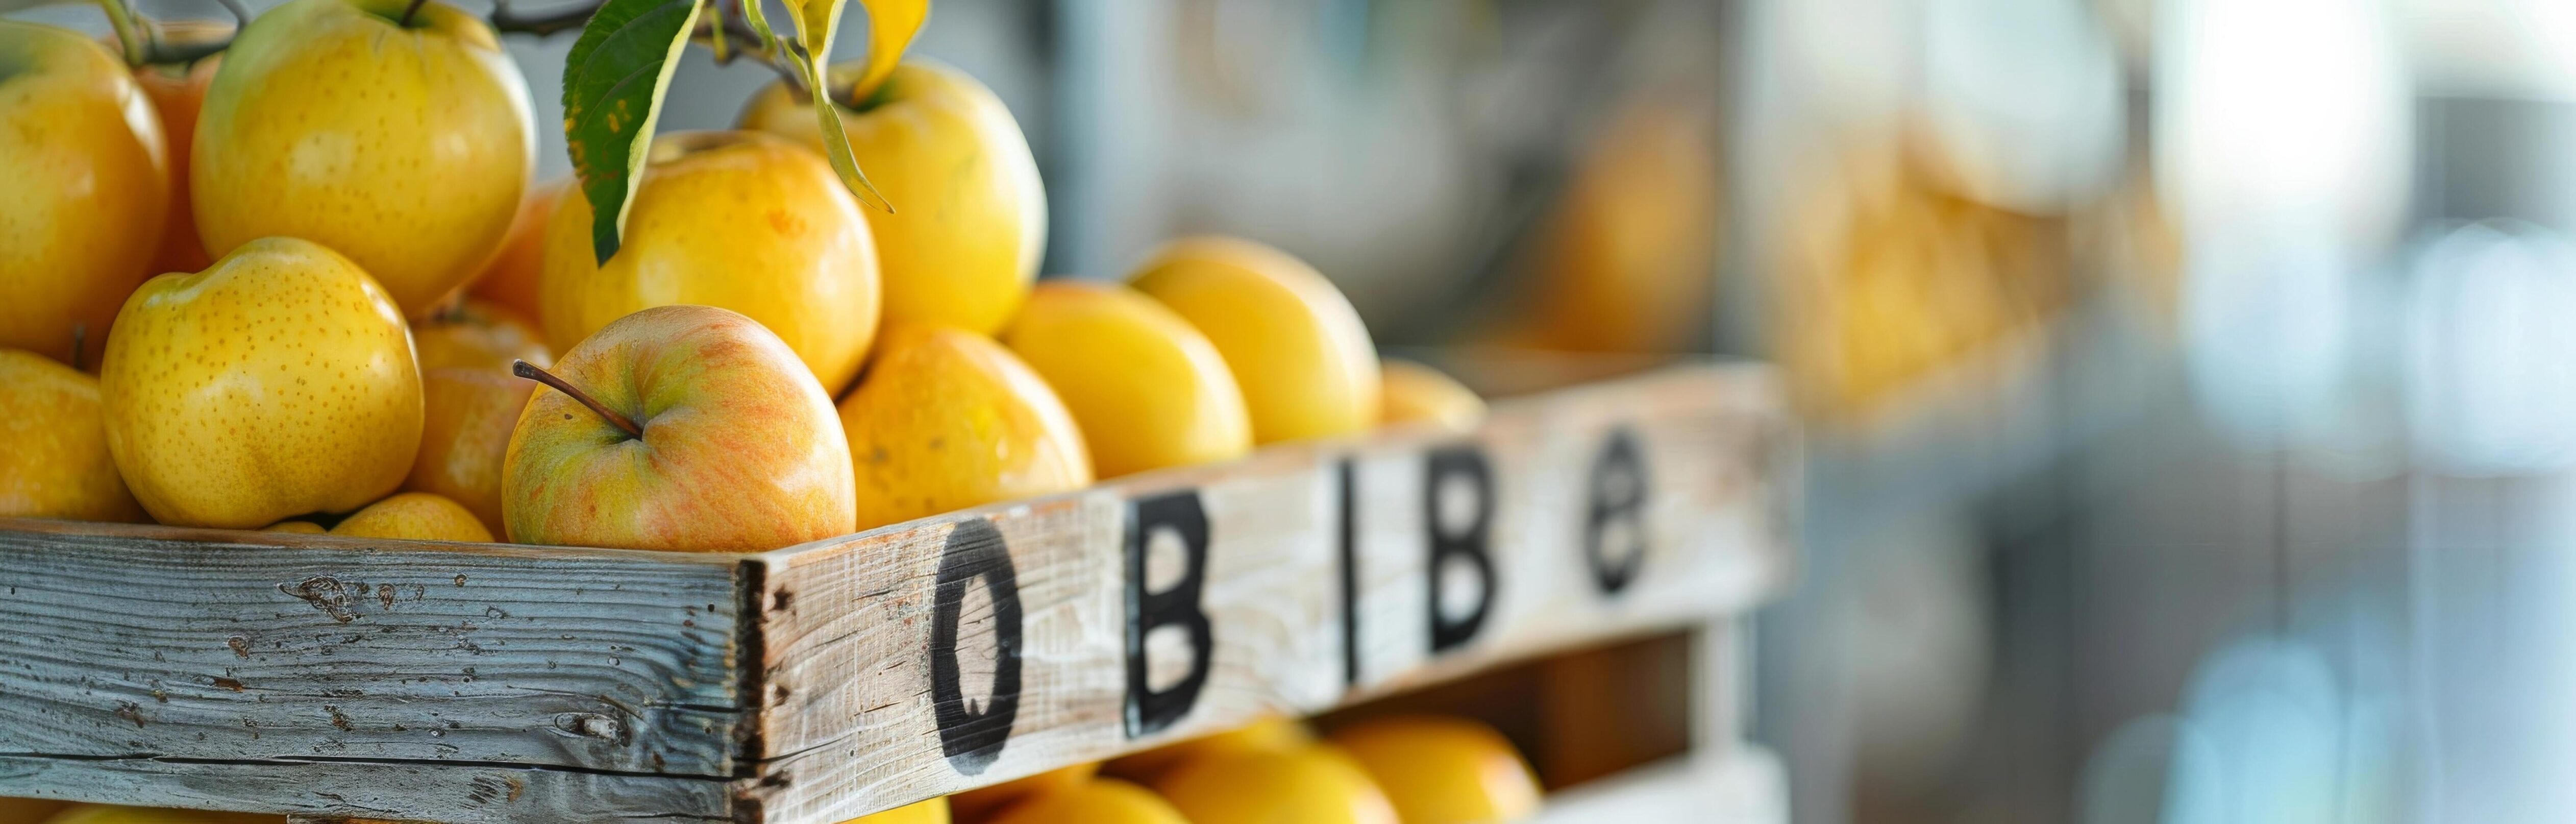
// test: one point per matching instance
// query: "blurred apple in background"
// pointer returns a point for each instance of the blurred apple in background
(515, 278)
(178, 91)
(1295, 345)
(1146, 388)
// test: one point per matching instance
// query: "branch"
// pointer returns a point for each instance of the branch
(743, 41)
(508, 19)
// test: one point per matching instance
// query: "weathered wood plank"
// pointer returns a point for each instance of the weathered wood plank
(221, 646)
(978, 647)
(413, 790)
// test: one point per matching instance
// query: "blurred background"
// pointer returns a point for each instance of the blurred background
(2190, 384)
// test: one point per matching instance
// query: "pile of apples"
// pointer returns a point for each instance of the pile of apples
(373, 318)
(1399, 769)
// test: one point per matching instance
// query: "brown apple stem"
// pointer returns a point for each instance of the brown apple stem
(408, 11)
(530, 371)
(80, 341)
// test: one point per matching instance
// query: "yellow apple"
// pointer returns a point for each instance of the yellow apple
(969, 220)
(925, 811)
(695, 429)
(278, 382)
(15, 810)
(417, 516)
(982, 802)
(54, 461)
(1294, 343)
(467, 418)
(515, 277)
(405, 148)
(84, 183)
(739, 220)
(1146, 388)
(470, 401)
(1410, 392)
(178, 91)
(1277, 732)
(1315, 783)
(111, 814)
(472, 334)
(948, 419)
(1438, 768)
(1099, 801)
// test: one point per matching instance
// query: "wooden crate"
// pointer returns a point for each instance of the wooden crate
(331, 677)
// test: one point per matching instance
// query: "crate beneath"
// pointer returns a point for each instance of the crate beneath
(329, 677)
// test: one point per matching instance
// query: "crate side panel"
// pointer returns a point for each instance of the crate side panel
(126, 642)
(852, 721)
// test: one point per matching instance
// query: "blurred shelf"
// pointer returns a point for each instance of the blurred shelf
(330, 677)
(1740, 785)
(1980, 423)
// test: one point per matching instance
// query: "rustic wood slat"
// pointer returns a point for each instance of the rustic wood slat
(452, 793)
(327, 677)
(149, 642)
(854, 697)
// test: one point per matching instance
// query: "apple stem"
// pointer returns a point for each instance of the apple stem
(80, 340)
(530, 371)
(408, 11)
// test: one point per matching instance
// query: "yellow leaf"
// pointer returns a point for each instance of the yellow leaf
(891, 26)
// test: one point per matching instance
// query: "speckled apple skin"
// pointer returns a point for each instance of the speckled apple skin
(417, 516)
(53, 449)
(406, 149)
(740, 449)
(279, 381)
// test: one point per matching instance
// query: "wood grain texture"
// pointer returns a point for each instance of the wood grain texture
(404, 791)
(851, 724)
(230, 660)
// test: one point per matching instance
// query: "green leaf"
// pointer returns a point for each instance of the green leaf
(836, 143)
(613, 86)
(759, 21)
(817, 22)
